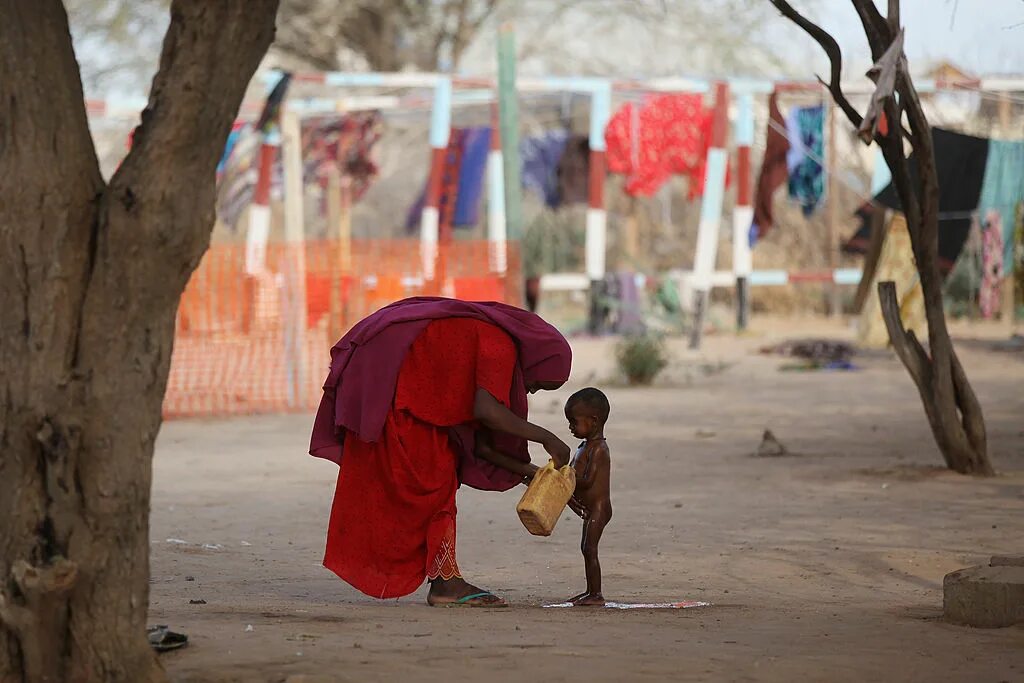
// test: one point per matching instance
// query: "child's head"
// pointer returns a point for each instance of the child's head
(587, 411)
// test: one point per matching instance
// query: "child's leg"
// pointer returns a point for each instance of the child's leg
(592, 530)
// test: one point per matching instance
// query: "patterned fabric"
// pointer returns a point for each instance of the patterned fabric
(896, 263)
(345, 142)
(393, 521)
(1003, 188)
(468, 149)
(992, 265)
(805, 128)
(668, 135)
(1018, 260)
(444, 566)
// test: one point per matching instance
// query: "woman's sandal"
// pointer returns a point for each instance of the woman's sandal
(468, 601)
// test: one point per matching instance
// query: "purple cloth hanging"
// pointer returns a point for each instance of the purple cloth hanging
(540, 156)
(476, 146)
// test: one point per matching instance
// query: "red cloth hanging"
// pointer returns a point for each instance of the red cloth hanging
(668, 135)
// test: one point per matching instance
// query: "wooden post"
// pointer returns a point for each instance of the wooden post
(874, 252)
(743, 212)
(295, 260)
(597, 216)
(630, 252)
(508, 113)
(835, 304)
(335, 315)
(710, 214)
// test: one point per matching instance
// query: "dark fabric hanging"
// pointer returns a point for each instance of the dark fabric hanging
(960, 165)
(774, 171)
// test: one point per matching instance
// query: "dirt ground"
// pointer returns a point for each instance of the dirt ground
(823, 566)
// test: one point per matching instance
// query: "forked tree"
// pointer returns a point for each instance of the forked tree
(950, 403)
(91, 275)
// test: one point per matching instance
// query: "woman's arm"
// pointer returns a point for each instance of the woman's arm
(489, 412)
(485, 451)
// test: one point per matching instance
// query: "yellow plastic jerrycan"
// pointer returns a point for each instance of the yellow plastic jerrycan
(546, 498)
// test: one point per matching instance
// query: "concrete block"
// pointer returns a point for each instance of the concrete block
(986, 596)
(1007, 561)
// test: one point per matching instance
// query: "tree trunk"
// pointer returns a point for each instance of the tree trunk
(953, 410)
(89, 287)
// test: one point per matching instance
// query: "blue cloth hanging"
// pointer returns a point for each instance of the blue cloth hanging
(805, 128)
(1003, 188)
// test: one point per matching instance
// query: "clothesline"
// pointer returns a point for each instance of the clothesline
(943, 216)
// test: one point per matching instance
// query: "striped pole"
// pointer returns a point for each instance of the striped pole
(440, 129)
(743, 213)
(597, 216)
(710, 213)
(258, 232)
(496, 232)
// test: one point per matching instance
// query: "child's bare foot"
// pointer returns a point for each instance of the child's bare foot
(576, 598)
(595, 600)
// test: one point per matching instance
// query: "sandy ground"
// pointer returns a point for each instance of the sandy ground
(823, 566)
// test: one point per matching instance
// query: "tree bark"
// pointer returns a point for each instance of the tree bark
(89, 288)
(953, 411)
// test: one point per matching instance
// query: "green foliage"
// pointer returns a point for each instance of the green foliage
(640, 358)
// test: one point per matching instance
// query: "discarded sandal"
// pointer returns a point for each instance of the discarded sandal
(162, 639)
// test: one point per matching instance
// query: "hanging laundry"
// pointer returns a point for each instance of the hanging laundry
(992, 265)
(237, 128)
(574, 171)
(1017, 262)
(774, 171)
(476, 146)
(345, 142)
(805, 127)
(236, 181)
(896, 263)
(540, 156)
(960, 162)
(1003, 188)
(668, 135)
(468, 150)
(963, 283)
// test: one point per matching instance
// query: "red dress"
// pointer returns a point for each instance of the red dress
(393, 519)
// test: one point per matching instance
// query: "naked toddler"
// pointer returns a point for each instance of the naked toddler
(587, 411)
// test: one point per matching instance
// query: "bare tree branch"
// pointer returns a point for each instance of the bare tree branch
(835, 56)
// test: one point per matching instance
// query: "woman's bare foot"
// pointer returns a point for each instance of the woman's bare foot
(590, 600)
(455, 591)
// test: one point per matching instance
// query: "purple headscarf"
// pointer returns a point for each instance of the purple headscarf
(365, 363)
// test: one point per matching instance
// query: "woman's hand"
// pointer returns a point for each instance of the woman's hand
(529, 471)
(557, 449)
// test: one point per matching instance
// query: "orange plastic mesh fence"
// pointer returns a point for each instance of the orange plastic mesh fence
(249, 344)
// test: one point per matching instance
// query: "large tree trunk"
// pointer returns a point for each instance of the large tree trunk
(953, 411)
(89, 286)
